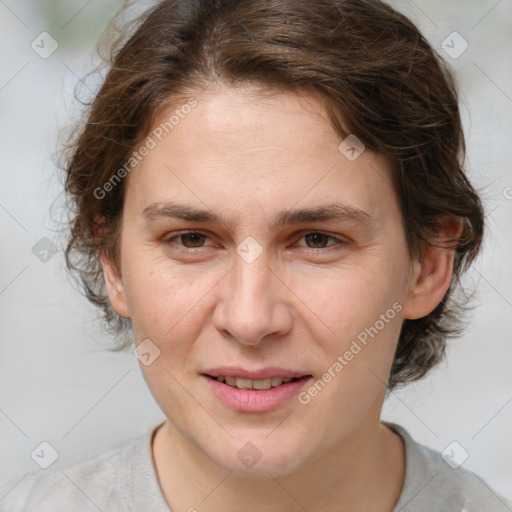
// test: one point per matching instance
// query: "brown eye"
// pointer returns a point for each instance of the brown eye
(188, 239)
(195, 239)
(318, 240)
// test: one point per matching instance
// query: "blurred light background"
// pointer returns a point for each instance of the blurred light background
(57, 381)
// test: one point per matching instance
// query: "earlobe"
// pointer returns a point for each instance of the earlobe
(433, 273)
(114, 286)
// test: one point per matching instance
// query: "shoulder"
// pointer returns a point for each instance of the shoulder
(433, 481)
(87, 482)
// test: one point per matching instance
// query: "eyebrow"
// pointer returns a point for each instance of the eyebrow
(336, 212)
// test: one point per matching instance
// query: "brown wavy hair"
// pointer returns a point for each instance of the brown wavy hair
(377, 77)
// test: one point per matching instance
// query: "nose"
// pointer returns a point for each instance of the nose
(252, 303)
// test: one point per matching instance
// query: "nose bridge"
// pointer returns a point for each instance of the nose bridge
(251, 286)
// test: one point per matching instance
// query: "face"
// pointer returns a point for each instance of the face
(296, 268)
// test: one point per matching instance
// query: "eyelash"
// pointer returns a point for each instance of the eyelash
(169, 240)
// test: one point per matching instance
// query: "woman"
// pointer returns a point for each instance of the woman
(270, 200)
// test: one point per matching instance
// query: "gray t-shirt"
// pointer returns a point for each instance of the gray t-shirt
(123, 479)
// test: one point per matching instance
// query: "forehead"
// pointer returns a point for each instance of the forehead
(237, 149)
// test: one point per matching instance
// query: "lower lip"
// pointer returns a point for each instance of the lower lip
(251, 400)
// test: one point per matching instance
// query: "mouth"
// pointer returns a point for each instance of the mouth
(254, 390)
(259, 384)
(266, 393)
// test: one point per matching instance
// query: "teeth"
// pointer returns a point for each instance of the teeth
(242, 383)
(263, 383)
(230, 380)
(276, 381)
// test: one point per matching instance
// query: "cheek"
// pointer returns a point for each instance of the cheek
(364, 313)
(362, 308)
(348, 300)
(162, 298)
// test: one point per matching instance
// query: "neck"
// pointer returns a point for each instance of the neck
(364, 472)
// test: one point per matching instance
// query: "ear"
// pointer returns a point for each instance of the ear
(433, 271)
(114, 285)
(112, 276)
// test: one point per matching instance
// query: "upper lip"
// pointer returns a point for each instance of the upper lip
(263, 373)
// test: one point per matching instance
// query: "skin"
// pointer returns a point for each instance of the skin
(299, 305)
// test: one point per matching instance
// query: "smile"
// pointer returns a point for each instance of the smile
(254, 395)
(242, 383)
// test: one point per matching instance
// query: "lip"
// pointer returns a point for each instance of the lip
(252, 400)
(264, 373)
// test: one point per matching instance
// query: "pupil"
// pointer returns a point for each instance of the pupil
(192, 236)
(316, 236)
